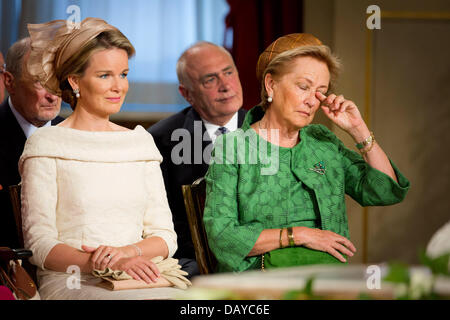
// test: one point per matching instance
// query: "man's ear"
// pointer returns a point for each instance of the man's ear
(185, 93)
(10, 82)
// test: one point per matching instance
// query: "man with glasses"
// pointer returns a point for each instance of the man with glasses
(28, 107)
(209, 81)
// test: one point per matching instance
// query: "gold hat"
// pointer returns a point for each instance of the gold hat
(284, 43)
(54, 42)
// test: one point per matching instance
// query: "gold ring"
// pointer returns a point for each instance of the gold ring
(108, 256)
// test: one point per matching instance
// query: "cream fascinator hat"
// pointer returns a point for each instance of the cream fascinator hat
(55, 42)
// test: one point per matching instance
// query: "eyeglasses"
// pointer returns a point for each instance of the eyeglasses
(212, 80)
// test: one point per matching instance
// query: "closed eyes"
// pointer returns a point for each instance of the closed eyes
(306, 88)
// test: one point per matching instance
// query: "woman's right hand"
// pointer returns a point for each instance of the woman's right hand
(104, 256)
(139, 267)
(324, 240)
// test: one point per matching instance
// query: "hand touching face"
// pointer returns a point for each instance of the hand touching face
(294, 93)
(341, 111)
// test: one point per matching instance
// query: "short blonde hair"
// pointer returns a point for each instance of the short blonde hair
(279, 66)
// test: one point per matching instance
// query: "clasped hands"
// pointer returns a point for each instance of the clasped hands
(119, 258)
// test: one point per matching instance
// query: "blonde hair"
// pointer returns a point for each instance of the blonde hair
(279, 66)
(79, 62)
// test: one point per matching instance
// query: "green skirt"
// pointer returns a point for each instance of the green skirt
(297, 256)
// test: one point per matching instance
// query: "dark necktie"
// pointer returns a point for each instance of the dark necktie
(221, 130)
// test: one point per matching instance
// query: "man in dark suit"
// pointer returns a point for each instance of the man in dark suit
(209, 81)
(28, 107)
(2, 82)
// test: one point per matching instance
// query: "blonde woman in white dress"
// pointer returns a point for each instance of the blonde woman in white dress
(93, 195)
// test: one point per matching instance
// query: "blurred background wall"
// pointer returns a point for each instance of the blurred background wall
(160, 30)
(398, 75)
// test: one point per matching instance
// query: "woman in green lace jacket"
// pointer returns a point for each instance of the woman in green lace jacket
(280, 182)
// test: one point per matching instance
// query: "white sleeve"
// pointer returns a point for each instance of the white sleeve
(39, 198)
(158, 217)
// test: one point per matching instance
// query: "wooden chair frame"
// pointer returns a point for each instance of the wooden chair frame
(194, 200)
(14, 193)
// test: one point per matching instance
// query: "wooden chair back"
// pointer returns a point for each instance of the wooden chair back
(194, 201)
(14, 193)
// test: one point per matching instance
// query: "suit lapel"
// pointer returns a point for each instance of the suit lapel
(12, 142)
(16, 136)
(196, 128)
(192, 124)
(57, 120)
(241, 116)
(10, 124)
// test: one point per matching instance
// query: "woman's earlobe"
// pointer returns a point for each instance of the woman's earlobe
(269, 82)
(73, 82)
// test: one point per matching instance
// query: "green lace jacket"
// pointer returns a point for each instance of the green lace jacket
(253, 185)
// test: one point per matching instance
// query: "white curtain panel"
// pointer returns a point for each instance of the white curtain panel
(160, 30)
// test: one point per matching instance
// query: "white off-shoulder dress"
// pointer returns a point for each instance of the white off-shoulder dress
(92, 188)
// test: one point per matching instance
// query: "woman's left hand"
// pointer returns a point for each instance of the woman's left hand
(342, 112)
(104, 256)
(140, 268)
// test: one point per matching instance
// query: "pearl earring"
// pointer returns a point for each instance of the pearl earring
(269, 99)
(77, 93)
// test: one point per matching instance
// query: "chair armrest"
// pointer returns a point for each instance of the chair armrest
(7, 254)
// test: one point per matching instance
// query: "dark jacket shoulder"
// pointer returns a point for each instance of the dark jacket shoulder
(57, 120)
(176, 120)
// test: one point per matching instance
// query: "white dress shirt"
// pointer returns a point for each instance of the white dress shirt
(211, 128)
(27, 127)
